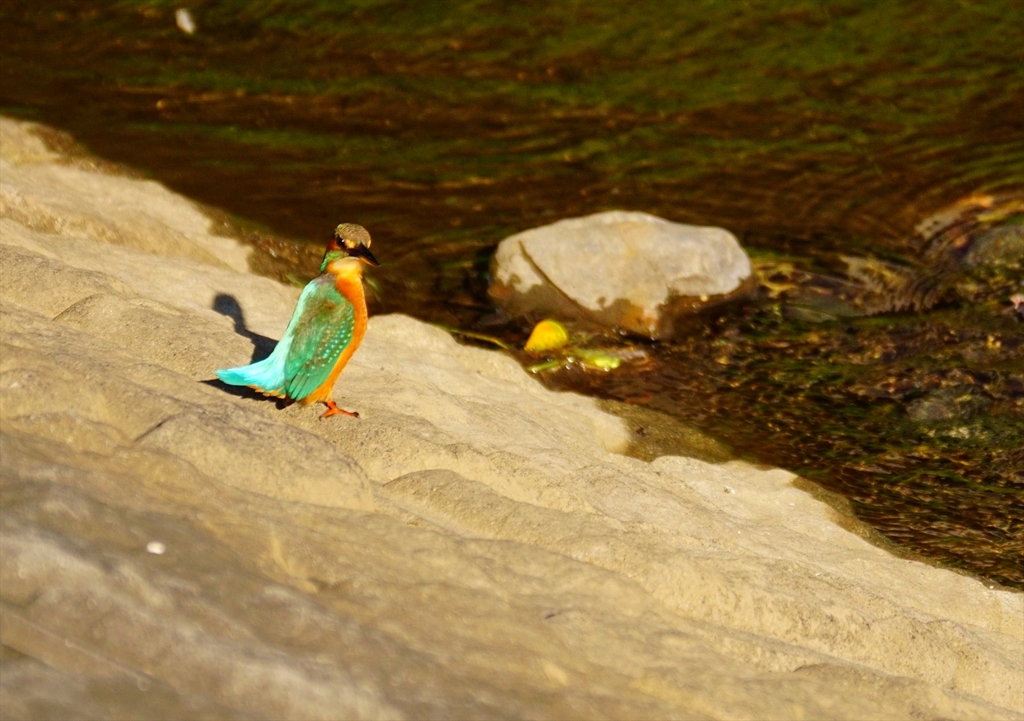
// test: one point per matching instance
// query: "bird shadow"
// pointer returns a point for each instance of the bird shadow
(262, 346)
(228, 306)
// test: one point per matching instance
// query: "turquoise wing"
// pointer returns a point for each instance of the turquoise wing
(268, 375)
(321, 332)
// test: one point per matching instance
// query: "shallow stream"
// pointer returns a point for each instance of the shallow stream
(869, 155)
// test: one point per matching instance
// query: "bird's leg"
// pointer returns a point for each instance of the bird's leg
(333, 410)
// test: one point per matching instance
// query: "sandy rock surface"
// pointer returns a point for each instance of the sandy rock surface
(473, 546)
(53, 194)
(621, 269)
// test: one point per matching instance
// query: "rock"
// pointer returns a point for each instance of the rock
(1000, 245)
(1017, 301)
(956, 403)
(626, 270)
(57, 197)
(473, 546)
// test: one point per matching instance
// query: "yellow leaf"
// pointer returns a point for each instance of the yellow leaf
(547, 335)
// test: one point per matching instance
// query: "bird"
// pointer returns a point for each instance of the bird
(327, 326)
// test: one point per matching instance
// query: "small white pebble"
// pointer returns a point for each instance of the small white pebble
(156, 548)
(184, 21)
(729, 489)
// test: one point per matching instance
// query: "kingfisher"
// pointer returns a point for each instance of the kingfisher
(326, 328)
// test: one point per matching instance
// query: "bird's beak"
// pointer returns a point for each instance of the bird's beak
(364, 254)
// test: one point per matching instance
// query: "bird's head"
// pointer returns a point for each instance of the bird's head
(351, 245)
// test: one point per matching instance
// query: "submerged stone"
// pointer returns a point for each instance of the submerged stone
(626, 270)
(956, 403)
(999, 245)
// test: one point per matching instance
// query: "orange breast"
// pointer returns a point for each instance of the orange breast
(350, 285)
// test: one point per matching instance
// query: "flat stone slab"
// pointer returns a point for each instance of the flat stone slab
(627, 270)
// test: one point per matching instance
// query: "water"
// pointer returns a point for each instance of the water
(813, 130)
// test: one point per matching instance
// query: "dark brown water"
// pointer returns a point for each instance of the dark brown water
(812, 130)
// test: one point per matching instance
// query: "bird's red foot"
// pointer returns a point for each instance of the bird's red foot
(333, 410)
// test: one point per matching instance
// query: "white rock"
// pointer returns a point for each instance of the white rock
(183, 19)
(625, 269)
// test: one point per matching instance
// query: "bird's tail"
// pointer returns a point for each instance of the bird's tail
(266, 376)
